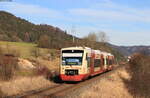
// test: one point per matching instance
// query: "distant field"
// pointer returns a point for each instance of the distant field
(25, 50)
(17, 44)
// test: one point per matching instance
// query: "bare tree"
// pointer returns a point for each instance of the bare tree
(44, 41)
(91, 37)
(102, 37)
(27, 36)
(97, 37)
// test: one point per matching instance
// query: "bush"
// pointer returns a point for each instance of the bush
(139, 69)
(44, 71)
(8, 64)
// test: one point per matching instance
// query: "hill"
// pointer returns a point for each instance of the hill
(129, 50)
(15, 29)
(135, 49)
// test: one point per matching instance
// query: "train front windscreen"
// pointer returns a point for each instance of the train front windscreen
(72, 57)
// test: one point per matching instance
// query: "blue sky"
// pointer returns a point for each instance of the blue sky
(126, 22)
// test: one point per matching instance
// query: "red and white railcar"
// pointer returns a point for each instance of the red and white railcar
(79, 63)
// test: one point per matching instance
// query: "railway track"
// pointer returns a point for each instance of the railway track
(64, 89)
(52, 92)
(25, 94)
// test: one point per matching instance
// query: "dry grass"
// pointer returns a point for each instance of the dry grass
(109, 87)
(21, 47)
(49, 69)
(26, 78)
(51, 65)
(23, 84)
(37, 67)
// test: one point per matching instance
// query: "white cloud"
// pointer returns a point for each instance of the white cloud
(131, 38)
(109, 10)
(28, 9)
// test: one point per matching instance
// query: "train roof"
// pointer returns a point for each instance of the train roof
(107, 54)
(76, 48)
(97, 51)
(89, 49)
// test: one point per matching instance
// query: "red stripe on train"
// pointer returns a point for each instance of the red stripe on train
(74, 77)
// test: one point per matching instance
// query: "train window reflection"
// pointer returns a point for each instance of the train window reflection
(72, 61)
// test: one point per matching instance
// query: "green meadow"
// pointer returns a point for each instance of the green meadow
(23, 49)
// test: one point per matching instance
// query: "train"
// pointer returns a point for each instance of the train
(80, 63)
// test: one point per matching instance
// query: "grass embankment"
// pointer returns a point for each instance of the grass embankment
(23, 84)
(23, 77)
(109, 87)
(24, 49)
(131, 82)
(42, 56)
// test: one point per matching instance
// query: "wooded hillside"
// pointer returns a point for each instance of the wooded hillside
(13, 28)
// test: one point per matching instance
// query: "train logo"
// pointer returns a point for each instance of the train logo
(79, 63)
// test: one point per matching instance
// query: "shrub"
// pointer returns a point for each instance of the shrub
(139, 69)
(8, 64)
(44, 71)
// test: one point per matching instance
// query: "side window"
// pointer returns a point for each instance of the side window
(97, 62)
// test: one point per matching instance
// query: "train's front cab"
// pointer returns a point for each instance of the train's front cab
(74, 66)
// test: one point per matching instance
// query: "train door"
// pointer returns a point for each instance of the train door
(102, 62)
(97, 62)
(105, 62)
(92, 63)
(110, 62)
(88, 58)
